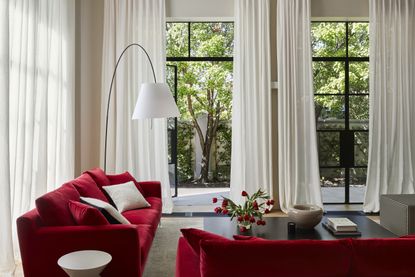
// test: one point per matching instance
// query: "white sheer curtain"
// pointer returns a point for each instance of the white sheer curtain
(135, 146)
(6, 243)
(251, 112)
(391, 167)
(37, 108)
(299, 178)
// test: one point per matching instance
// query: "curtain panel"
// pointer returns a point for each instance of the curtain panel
(139, 146)
(37, 53)
(299, 178)
(251, 167)
(391, 166)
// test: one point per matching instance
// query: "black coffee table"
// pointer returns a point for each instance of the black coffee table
(276, 229)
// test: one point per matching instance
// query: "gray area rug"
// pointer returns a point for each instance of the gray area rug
(162, 258)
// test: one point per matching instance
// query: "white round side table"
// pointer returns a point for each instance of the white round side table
(85, 263)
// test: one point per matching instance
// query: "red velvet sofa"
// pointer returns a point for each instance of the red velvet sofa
(220, 257)
(49, 231)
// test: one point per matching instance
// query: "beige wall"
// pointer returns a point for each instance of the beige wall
(199, 8)
(341, 9)
(89, 22)
(89, 52)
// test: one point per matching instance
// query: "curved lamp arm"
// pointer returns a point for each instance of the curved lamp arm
(109, 94)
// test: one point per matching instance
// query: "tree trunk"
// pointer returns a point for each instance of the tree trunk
(207, 140)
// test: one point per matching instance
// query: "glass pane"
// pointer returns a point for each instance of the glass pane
(170, 78)
(328, 77)
(359, 39)
(359, 77)
(170, 146)
(185, 150)
(328, 39)
(172, 178)
(329, 148)
(357, 184)
(213, 39)
(177, 37)
(170, 123)
(359, 112)
(223, 151)
(361, 146)
(332, 185)
(329, 112)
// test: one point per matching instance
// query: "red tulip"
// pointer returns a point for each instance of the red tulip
(242, 229)
(252, 220)
(218, 210)
(258, 222)
(255, 205)
(267, 211)
(272, 201)
(263, 222)
(225, 203)
(240, 218)
(225, 211)
(214, 199)
(247, 217)
(244, 193)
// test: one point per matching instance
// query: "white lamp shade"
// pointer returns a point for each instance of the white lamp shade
(155, 101)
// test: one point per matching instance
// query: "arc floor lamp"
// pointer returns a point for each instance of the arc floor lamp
(154, 100)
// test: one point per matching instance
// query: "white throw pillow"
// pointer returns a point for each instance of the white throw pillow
(126, 196)
(104, 206)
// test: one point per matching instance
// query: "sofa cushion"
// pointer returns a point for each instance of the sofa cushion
(383, 257)
(126, 196)
(124, 178)
(108, 211)
(87, 187)
(99, 176)
(53, 206)
(195, 236)
(147, 216)
(155, 203)
(289, 258)
(86, 215)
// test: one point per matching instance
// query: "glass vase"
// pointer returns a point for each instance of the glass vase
(244, 227)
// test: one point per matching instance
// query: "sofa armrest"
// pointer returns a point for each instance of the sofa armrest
(151, 188)
(48, 244)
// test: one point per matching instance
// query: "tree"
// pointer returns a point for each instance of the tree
(205, 87)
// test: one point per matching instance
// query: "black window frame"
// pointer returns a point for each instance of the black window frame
(189, 58)
(347, 135)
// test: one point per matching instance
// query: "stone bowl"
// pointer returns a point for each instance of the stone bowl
(305, 216)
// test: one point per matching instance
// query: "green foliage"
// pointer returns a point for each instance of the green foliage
(211, 39)
(177, 37)
(185, 158)
(359, 39)
(223, 151)
(328, 39)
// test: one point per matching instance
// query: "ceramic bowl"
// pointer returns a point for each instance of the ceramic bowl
(305, 216)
